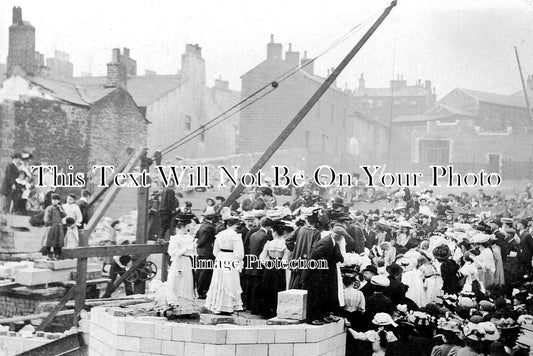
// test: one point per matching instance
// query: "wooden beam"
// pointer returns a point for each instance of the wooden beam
(110, 196)
(17, 319)
(142, 215)
(137, 261)
(109, 182)
(112, 250)
(68, 296)
(291, 126)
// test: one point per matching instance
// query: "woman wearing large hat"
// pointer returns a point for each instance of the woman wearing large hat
(381, 336)
(181, 249)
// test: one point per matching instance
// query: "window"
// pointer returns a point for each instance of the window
(188, 123)
(323, 148)
(307, 139)
(434, 151)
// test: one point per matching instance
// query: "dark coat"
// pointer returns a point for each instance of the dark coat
(206, 238)
(450, 280)
(10, 175)
(396, 291)
(256, 243)
(86, 212)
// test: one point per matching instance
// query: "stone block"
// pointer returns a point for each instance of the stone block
(255, 350)
(279, 321)
(265, 335)
(219, 350)
(285, 334)
(181, 332)
(175, 348)
(213, 319)
(315, 333)
(307, 349)
(91, 274)
(242, 336)
(127, 343)
(150, 346)
(292, 304)
(208, 335)
(281, 350)
(163, 331)
(36, 276)
(56, 265)
(194, 349)
(138, 328)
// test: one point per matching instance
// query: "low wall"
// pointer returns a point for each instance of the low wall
(127, 335)
(14, 345)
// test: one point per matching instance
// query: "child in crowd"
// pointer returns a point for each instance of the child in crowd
(71, 236)
(53, 216)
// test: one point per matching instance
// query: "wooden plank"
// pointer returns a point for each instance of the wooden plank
(16, 319)
(142, 216)
(68, 296)
(110, 196)
(113, 250)
(137, 261)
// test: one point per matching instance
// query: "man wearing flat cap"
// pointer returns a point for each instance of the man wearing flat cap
(321, 284)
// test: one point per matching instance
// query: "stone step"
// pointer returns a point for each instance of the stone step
(56, 265)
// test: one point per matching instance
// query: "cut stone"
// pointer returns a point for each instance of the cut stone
(56, 265)
(292, 304)
(36, 276)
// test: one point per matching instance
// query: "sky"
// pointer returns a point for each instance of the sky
(453, 43)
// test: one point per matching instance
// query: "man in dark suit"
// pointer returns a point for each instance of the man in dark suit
(206, 240)
(321, 284)
(396, 289)
(85, 209)
(526, 246)
(254, 274)
(8, 184)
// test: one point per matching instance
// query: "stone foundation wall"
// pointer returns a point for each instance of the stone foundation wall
(127, 335)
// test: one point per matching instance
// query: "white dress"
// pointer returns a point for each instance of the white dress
(414, 280)
(180, 275)
(487, 267)
(224, 293)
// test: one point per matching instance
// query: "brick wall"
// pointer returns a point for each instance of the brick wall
(115, 123)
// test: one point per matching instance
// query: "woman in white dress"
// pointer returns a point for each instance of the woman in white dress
(224, 294)
(485, 260)
(181, 249)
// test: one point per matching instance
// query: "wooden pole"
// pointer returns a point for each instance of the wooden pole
(141, 237)
(68, 296)
(309, 105)
(523, 85)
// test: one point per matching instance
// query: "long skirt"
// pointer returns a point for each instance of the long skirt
(224, 294)
(55, 236)
(273, 282)
(180, 278)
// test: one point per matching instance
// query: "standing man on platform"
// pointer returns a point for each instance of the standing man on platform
(205, 242)
(8, 184)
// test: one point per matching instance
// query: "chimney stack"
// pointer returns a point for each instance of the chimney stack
(274, 50)
(308, 64)
(17, 15)
(292, 58)
(362, 82)
(221, 84)
(117, 72)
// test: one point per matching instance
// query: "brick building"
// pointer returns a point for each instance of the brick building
(329, 134)
(178, 104)
(398, 99)
(60, 122)
(471, 129)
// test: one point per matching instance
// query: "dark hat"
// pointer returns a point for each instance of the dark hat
(55, 197)
(266, 190)
(524, 222)
(371, 268)
(337, 202)
(188, 204)
(16, 155)
(394, 269)
(219, 197)
(210, 200)
(338, 230)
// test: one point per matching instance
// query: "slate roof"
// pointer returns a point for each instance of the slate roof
(62, 90)
(499, 99)
(144, 89)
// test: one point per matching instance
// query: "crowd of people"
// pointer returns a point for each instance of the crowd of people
(438, 278)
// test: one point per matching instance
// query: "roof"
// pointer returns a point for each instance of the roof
(144, 89)
(413, 118)
(437, 112)
(498, 99)
(387, 92)
(63, 91)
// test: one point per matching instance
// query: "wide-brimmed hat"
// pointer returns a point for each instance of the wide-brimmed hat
(394, 270)
(480, 238)
(210, 200)
(380, 281)
(371, 268)
(383, 319)
(420, 318)
(185, 217)
(220, 197)
(339, 230)
(451, 325)
(266, 190)
(226, 214)
(337, 202)
(491, 331)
